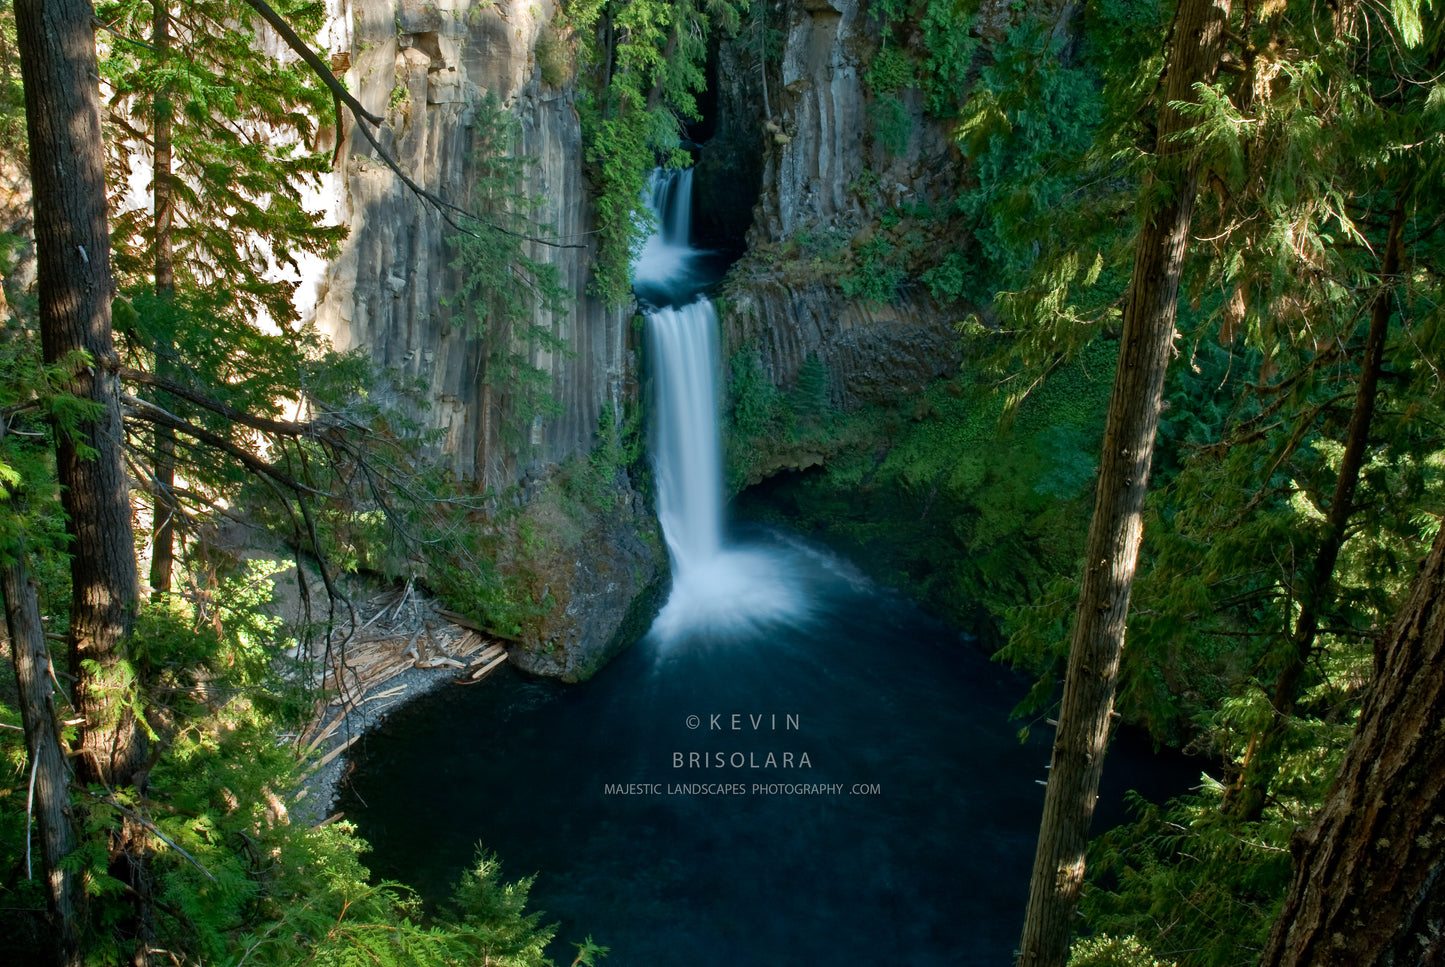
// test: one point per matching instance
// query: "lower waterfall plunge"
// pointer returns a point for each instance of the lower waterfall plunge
(716, 586)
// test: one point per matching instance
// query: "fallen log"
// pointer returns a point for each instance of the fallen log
(461, 619)
(326, 759)
(441, 661)
(487, 667)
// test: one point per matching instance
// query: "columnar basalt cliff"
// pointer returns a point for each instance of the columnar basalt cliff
(426, 66)
(822, 175)
(804, 163)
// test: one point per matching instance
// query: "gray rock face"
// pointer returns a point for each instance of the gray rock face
(824, 119)
(607, 586)
(818, 152)
(815, 165)
(872, 353)
(728, 173)
(424, 65)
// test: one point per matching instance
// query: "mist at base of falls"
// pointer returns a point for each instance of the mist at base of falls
(738, 591)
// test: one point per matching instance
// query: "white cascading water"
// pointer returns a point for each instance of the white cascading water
(666, 260)
(716, 586)
(685, 441)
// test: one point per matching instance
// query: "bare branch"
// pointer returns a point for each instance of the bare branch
(140, 409)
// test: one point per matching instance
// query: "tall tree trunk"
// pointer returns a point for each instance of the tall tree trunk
(1117, 528)
(31, 659)
(67, 170)
(1369, 883)
(72, 247)
(1315, 594)
(163, 530)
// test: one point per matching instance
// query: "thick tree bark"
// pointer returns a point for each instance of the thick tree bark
(51, 786)
(1369, 884)
(1315, 593)
(62, 115)
(1117, 528)
(163, 529)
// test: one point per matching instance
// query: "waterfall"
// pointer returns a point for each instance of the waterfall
(716, 586)
(664, 272)
(685, 440)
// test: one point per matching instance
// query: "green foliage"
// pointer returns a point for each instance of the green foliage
(233, 878)
(889, 123)
(1108, 951)
(620, 452)
(12, 95)
(950, 49)
(29, 507)
(249, 149)
(588, 953)
(1189, 883)
(1302, 160)
(889, 12)
(875, 274)
(645, 64)
(966, 515)
(499, 567)
(948, 280)
(1024, 130)
(889, 70)
(552, 57)
(496, 912)
(757, 406)
(811, 396)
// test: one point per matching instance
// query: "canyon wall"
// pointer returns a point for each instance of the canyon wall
(822, 176)
(426, 66)
(789, 156)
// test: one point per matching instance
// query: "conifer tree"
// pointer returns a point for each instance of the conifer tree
(1368, 889)
(62, 111)
(1308, 473)
(50, 783)
(203, 286)
(502, 291)
(1166, 207)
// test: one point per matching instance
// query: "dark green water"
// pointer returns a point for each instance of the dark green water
(916, 852)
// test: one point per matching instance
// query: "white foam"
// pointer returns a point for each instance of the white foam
(735, 592)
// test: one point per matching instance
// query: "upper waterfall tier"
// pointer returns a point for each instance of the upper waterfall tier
(667, 270)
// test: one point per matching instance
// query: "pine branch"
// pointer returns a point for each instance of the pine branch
(222, 408)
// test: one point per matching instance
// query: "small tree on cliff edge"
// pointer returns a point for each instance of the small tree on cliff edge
(1166, 206)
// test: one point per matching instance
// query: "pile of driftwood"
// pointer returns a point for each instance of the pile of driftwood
(391, 634)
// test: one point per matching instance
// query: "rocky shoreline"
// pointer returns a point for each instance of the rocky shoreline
(397, 647)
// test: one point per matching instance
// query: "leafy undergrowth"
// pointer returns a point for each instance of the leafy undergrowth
(966, 508)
